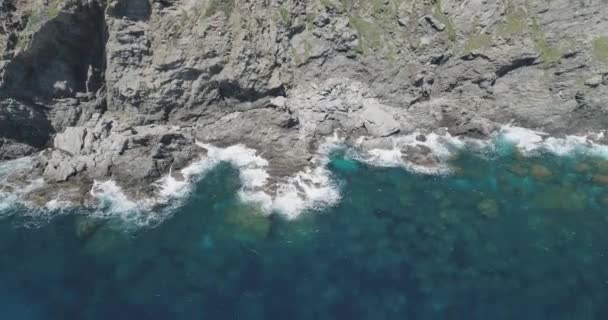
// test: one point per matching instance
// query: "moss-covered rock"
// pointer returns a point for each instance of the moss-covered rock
(514, 23)
(600, 49)
(450, 28)
(477, 42)
(215, 6)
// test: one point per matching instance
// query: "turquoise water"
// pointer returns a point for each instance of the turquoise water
(502, 238)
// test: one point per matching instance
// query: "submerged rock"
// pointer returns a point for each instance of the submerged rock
(561, 198)
(488, 208)
(601, 179)
(599, 164)
(420, 155)
(86, 226)
(540, 172)
(248, 223)
(582, 167)
(519, 169)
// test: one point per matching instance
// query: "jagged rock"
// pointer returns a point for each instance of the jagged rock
(434, 22)
(104, 82)
(379, 123)
(384, 143)
(476, 128)
(23, 124)
(404, 21)
(420, 155)
(61, 166)
(71, 140)
(10, 149)
(594, 81)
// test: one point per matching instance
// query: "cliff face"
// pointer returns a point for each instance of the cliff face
(121, 88)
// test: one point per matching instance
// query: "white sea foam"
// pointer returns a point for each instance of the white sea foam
(113, 202)
(307, 189)
(58, 205)
(532, 142)
(176, 186)
(525, 140)
(442, 147)
(8, 167)
(311, 188)
(112, 196)
(11, 195)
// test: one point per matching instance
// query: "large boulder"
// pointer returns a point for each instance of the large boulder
(379, 122)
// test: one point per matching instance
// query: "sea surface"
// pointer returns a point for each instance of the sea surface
(504, 235)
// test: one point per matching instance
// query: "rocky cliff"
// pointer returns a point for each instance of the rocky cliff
(121, 89)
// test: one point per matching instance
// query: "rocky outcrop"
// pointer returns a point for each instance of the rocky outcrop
(136, 156)
(122, 88)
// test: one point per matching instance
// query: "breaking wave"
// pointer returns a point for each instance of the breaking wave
(310, 189)
(533, 143)
(11, 194)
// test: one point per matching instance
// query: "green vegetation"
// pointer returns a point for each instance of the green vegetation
(477, 42)
(38, 16)
(515, 23)
(285, 16)
(327, 4)
(215, 6)
(370, 34)
(348, 5)
(54, 8)
(310, 18)
(449, 25)
(550, 54)
(600, 49)
(372, 20)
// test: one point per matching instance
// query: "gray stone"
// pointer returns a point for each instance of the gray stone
(594, 81)
(60, 167)
(420, 155)
(71, 140)
(434, 22)
(10, 149)
(379, 123)
(404, 21)
(120, 89)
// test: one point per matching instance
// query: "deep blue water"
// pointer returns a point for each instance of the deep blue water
(504, 238)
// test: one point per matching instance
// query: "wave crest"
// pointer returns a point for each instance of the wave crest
(309, 189)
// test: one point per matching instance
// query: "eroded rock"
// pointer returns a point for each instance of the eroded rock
(120, 89)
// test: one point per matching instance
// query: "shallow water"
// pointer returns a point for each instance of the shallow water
(503, 237)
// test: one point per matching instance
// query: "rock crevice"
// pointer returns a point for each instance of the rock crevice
(121, 89)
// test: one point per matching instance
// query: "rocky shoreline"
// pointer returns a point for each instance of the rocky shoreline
(124, 90)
